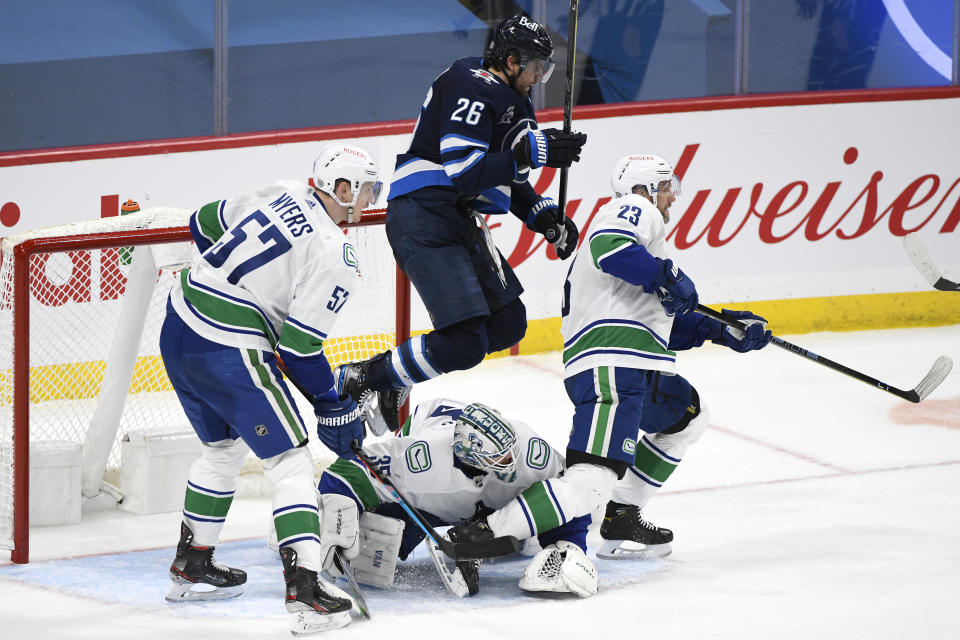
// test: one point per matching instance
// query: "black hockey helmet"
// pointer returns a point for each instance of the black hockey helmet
(524, 38)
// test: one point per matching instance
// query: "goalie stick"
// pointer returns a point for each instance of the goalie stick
(917, 252)
(941, 367)
(494, 548)
(343, 565)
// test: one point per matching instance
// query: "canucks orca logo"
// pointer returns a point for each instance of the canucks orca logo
(630, 446)
(350, 257)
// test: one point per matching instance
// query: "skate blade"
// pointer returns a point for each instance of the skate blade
(198, 591)
(308, 623)
(629, 550)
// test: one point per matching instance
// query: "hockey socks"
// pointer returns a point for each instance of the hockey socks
(411, 363)
(548, 504)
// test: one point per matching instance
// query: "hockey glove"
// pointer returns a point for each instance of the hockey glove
(676, 291)
(756, 335)
(561, 232)
(550, 147)
(339, 528)
(339, 422)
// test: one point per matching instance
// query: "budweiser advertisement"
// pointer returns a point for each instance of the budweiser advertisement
(779, 200)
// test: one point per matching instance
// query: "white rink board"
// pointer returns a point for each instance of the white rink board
(739, 154)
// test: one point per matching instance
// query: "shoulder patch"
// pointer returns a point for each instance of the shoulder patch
(538, 453)
(350, 257)
(484, 75)
(507, 116)
(418, 457)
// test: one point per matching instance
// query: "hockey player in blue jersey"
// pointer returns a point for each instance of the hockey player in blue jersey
(273, 273)
(627, 310)
(473, 147)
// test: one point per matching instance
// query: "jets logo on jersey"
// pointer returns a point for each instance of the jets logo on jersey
(350, 257)
(507, 116)
(484, 75)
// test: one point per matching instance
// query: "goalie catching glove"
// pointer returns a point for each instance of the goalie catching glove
(548, 147)
(560, 231)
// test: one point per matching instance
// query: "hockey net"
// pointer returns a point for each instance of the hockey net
(81, 307)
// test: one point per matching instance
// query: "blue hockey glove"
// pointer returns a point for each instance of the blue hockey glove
(561, 232)
(756, 335)
(550, 147)
(339, 422)
(675, 289)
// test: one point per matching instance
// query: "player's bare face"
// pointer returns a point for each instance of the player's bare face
(527, 79)
(665, 199)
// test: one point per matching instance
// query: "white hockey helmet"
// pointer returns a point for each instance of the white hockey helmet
(645, 170)
(484, 440)
(344, 162)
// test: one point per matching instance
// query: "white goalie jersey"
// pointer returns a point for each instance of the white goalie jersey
(420, 460)
(608, 322)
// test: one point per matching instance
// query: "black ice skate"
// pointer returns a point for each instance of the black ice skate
(315, 606)
(197, 576)
(471, 531)
(627, 535)
(354, 381)
(470, 570)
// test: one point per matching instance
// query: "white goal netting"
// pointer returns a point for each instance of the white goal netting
(95, 307)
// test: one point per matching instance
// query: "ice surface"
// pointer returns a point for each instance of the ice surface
(813, 507)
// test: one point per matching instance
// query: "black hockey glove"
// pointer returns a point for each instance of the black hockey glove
(562, 233)
(550, 147)
(339, 422)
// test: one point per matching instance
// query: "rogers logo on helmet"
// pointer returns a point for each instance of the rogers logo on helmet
(353, 152)
(642, 158)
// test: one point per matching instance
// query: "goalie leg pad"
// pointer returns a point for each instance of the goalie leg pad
(379, 545)
(339, 524)
(561, 568)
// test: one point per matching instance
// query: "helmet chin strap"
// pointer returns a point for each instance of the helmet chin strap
(350, 213)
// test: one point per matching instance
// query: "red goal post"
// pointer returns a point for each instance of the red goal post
(80, 363)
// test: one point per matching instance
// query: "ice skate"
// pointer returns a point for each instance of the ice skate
(352, 380)
(197, 576)
(316, 605)
(626, 534)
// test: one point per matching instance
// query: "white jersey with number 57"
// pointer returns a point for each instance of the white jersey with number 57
(273, 274)
(421, 462)
(608, 322)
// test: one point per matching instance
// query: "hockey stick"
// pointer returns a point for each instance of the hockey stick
(941, 367)
(568, 109)
(344, 566)
(917, 252)
(495, 548)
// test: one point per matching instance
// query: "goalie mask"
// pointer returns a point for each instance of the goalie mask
(526, 39)
(484, 440)
(644, 170)
(343, 162)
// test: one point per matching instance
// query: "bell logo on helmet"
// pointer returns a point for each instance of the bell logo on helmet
(529, 24)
